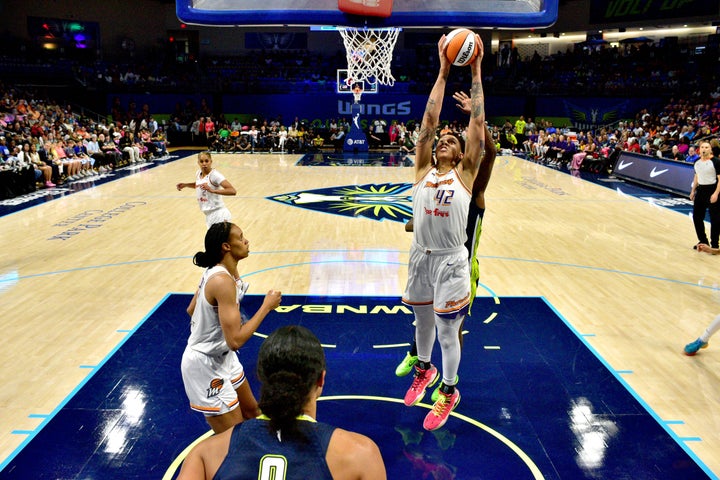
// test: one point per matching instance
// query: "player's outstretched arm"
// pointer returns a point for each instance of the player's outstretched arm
(431, 117)
(475, 141)
(487, 160)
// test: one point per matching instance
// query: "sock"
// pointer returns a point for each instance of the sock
(423, 365)
(711, 329)
(447, 389)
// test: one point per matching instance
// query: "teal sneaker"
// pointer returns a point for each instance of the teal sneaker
(693, 347)
(436, 393)
(406, 365)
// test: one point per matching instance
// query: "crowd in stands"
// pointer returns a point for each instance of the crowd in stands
(673, 133)
(265, 135)
(43, 143)
(271, 135)
(641, 69)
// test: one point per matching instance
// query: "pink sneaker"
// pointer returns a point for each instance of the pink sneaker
(441, 410)
(423, 379)
(49, 184)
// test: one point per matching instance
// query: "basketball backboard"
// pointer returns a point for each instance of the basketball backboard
(345, 84)
(405, 13)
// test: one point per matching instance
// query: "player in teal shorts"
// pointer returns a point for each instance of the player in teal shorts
(473, 229)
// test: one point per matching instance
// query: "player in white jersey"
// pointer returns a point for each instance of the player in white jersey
(210, 185)
(438, 287)
(212, 374)
(473, 229)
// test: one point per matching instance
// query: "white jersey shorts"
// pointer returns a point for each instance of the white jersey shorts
(217, 216)
(211, 381)
(440, 278)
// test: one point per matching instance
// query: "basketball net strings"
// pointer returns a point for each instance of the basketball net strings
(369, 53)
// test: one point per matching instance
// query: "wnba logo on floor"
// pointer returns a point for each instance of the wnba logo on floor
(401, 108)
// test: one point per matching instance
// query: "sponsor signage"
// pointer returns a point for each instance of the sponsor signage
(663, 174)
(356, 141)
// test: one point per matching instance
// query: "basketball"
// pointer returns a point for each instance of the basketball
(461, 47)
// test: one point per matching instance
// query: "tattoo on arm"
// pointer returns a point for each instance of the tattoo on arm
(477, 100)
(424, 135)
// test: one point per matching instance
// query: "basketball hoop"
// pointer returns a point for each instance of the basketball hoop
(369, 53)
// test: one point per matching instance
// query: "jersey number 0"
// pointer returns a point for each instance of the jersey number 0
(272, 467)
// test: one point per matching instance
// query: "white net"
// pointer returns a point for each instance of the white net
(369, 53)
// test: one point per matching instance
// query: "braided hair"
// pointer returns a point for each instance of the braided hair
(291, 362)
(216, 235)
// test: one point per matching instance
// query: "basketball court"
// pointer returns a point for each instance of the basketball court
(504, 430)
(572, 365)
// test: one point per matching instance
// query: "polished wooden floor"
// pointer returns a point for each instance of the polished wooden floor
(78, 272)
